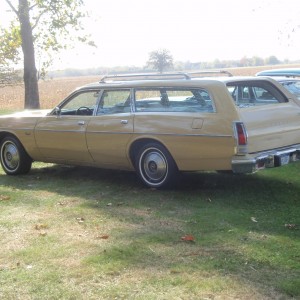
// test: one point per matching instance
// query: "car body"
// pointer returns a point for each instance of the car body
(159, 126)
(289, 78)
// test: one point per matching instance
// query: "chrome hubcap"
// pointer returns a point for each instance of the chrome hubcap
(10, 156)
(155, 166)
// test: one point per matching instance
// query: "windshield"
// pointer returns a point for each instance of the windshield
(293, 87)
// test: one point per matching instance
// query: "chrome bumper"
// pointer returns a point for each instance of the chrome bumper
(251, 163)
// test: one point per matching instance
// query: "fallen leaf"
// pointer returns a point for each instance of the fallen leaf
(4, 198)
(103, 237)
(188, 238)
(40, 226)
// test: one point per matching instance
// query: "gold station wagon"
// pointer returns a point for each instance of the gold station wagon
(159, 126)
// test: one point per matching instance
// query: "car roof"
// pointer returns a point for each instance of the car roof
(289, 72)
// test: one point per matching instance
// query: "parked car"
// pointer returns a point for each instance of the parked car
(159, 126)
(289, 78)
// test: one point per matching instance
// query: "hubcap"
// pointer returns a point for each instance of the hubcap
(10, 156)
(155, 166)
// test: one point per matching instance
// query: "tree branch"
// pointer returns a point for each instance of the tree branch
(38, 19)
(12, 7)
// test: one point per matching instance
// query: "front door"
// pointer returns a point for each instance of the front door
(60, 136)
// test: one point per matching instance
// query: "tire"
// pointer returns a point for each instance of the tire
(14, 159)
(155, 166)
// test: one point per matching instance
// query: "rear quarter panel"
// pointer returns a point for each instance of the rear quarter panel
(197, 141)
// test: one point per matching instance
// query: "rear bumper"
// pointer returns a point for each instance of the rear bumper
(253, 162)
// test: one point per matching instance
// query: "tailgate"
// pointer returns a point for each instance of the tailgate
(271, 126)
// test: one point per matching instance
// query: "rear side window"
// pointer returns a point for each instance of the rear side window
(254, 93)
(173, 100)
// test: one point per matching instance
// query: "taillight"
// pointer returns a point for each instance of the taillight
(241, 133)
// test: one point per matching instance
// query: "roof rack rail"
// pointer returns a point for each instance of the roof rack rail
(212, 73)
(144, 76)
(159, 76)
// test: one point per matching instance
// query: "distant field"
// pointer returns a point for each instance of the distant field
(54, 90)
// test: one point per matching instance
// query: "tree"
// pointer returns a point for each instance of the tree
(160, 60)
(47, 25)
(272, 60)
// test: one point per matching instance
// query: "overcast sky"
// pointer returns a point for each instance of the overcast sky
(192, 30)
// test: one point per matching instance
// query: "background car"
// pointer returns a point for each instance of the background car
(289, 78)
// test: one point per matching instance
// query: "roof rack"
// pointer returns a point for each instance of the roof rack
(160, 76)
(144, 76)
(212, 72)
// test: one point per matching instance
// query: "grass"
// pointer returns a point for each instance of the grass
(82, 233)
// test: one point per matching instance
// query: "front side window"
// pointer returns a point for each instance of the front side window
(114, 102)
(173, 100)
(255, 93)
(82, 103)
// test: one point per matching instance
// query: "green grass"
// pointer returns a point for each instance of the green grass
(83, 233)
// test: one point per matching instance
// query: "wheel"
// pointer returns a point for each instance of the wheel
(155, 166)
(14, 159)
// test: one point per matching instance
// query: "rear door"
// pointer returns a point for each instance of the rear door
(110, 129)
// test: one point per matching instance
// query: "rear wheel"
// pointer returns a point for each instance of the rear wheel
(155, 166)
(14, 159)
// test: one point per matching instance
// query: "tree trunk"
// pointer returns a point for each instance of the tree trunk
(30, 73)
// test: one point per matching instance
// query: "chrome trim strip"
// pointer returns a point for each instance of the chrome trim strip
(140, 133)
(160, 134)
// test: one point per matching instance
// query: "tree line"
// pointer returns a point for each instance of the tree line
(175, 66)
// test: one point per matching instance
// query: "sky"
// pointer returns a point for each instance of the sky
(125, 32)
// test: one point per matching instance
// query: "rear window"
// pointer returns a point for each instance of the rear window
(255, 93)
(173, 100)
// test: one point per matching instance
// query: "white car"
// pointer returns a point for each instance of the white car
(289, 78)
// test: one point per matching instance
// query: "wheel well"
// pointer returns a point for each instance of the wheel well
(134, 148)
(3, 135)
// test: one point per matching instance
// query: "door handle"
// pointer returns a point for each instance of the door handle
(124, 121)
(81, 122)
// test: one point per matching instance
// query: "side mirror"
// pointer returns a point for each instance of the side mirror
(57, 111)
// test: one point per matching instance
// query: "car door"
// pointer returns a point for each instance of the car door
(60, 136)
(110, 130)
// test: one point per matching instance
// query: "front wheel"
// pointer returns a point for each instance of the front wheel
(14, 159)
(155, 166)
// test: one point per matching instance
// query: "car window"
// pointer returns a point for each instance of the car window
(254, 93)
(82, 103)
(293, 87)
(114, 102)
(173, 100)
